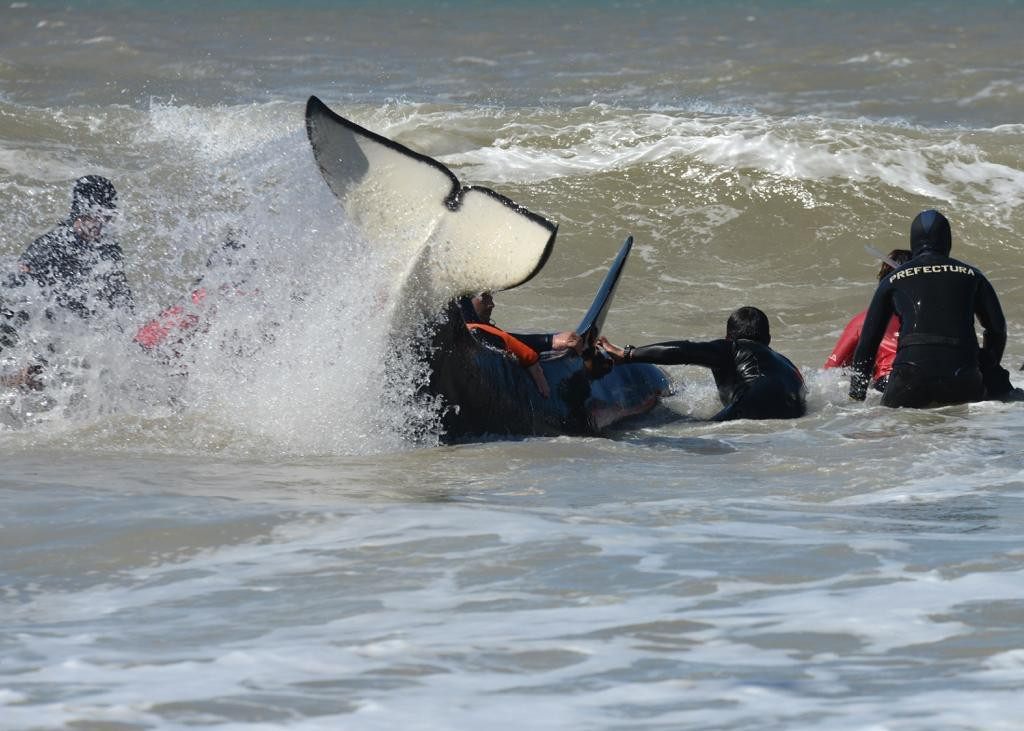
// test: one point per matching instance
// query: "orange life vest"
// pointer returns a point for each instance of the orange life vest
(526, 355)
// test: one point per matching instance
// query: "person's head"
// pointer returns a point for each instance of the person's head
(898, 256)
(748, 323)
(465, 305)
(483, 305)
(93, 204)
(930, 232)
(93, 195)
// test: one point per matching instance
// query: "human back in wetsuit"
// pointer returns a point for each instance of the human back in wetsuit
(754, 381)
(937, 298)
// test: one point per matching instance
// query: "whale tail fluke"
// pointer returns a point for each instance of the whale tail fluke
(445, 239)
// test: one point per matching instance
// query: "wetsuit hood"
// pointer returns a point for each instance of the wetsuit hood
(93, 195)
(930, 232)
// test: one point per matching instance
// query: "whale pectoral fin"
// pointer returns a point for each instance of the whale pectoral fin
(450, 239)
(592, 323)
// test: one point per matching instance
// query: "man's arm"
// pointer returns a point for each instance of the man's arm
(115, 290)
(36, 260)
(871, 334)
(990, 314)
(711, 354)
(543, 342)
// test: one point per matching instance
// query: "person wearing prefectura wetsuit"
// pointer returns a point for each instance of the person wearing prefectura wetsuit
(937, 298)
(754, 381)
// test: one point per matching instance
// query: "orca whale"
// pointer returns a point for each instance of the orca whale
(447, 240)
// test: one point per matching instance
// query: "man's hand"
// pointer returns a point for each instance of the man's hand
(567, 340)
(858, 386)
(617, 354)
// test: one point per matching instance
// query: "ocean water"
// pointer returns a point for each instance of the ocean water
(275, 539)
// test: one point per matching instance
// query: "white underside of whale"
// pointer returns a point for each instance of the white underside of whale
(442, 239)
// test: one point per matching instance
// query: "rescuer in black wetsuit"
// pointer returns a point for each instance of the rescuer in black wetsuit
(936, 297)
(754, 381)
(75, 265)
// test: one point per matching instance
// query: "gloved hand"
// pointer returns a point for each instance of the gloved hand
(996, 378)
(858, 386)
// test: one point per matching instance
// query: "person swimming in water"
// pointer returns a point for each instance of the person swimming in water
(842, 354)
(937, 299)
(754, 381)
